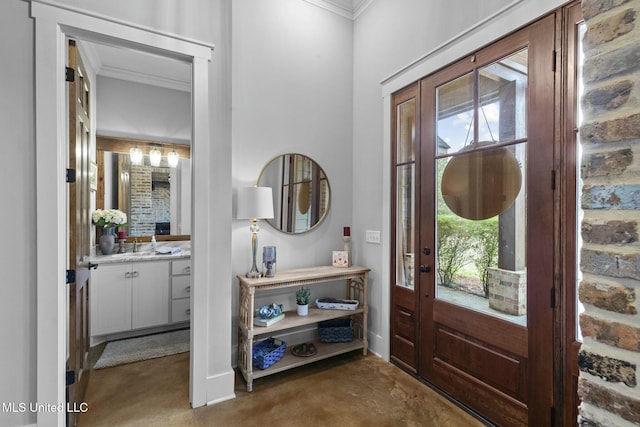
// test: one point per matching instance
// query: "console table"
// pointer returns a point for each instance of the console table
(356, 289)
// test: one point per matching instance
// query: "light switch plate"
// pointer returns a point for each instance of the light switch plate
(372, 236)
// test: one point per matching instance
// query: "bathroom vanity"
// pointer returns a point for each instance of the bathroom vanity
(138, 293)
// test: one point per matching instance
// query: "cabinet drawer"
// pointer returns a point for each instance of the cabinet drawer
(180, 287)
(180, 310)
(181, 267)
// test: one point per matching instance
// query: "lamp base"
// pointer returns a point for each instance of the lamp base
(253, 274)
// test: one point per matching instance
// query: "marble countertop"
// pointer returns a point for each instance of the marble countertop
(144, 254)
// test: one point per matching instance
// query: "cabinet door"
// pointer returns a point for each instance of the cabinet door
(180, 287)
(110, 298)
(150, 293)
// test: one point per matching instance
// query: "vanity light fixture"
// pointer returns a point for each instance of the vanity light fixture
(172, 158)
(155, 156)
(135, 154)
(255, 203)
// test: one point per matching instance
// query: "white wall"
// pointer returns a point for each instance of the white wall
(18, 284)
(292, 92)
(135, 110)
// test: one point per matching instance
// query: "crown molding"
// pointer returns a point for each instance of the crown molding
(144, 78)
(350, 9)
(360, 6)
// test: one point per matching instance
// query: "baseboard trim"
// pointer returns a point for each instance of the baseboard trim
(218, 387)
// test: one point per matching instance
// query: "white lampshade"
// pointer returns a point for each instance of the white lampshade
(255, 202)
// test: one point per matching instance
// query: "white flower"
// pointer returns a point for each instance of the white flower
(109, 217)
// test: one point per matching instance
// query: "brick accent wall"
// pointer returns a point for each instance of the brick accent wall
(149, 204)
(610, 253)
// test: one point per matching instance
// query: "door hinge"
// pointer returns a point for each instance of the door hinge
(553, 61)
(553, 416)
(71, 175)
(552, 298)
(553, 180)
(69, 74)
(71, 377)
(71, 276)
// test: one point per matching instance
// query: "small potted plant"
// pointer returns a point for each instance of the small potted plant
(302, 299)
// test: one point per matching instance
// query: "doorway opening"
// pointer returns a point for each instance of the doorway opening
(53, 27)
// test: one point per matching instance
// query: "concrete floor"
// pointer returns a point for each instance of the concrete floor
(351, 390)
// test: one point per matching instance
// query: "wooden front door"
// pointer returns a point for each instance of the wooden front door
(79, 236)
(486, 223)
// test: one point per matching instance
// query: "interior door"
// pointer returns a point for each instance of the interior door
(486, 223)
(79, 236)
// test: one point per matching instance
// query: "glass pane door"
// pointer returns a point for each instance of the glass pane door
(481, 191)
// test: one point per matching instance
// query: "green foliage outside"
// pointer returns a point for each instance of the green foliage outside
(461, 241)
(485, 249)
(453, 242)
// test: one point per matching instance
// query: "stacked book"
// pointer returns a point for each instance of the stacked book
(259, 321)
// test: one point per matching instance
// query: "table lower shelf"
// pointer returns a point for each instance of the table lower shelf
(324, 350)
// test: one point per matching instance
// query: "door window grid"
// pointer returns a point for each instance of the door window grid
(487, 105)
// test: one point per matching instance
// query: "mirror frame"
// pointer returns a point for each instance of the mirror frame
(123, 145)
(322, 218)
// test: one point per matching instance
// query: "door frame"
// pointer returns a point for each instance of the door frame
(53, 25)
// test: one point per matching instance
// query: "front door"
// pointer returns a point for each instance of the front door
(79, 236)
(486, 230)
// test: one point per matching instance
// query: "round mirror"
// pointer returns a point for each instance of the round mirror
(481, 184)
(301, 192)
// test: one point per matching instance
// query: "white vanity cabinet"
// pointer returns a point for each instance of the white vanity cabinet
(126, 296)
(180, 291)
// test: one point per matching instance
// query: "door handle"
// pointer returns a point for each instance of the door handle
(426, 251)
(92, 266)
(425, 268)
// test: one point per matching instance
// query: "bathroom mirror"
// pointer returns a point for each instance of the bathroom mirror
(157, 200)
(301, 192)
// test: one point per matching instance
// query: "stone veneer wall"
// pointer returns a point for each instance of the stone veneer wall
(610, 254)
(507, 291)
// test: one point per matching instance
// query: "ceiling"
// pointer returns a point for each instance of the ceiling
(137, 66)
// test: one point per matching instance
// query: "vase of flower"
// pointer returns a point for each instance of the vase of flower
(108, 219)
(107, 240)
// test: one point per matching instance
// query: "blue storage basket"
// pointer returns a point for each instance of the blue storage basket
(336, 330)
(268, 352)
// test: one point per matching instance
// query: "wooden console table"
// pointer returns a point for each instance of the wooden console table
(356, 288)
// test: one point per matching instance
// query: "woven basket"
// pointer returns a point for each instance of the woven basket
(268, 352)
(336, 330)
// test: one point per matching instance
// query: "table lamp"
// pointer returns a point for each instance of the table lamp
(255, 203)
